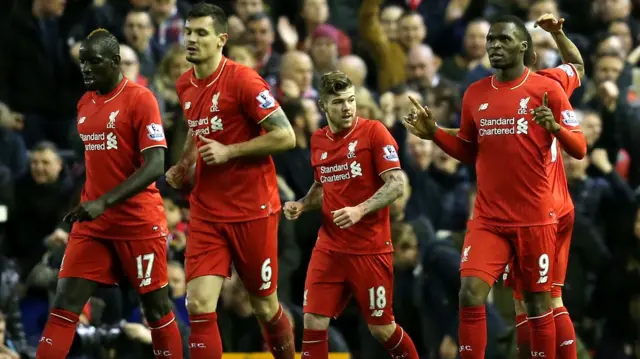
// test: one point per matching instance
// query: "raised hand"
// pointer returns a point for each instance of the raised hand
(549, 23)
(420, 121)
(543, 116)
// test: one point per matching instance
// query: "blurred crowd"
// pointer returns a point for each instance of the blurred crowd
(430, 49)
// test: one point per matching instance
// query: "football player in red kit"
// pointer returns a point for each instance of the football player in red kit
(357, 175)
(234, 125)
(515, 207)
(568, 76)
(119, 226)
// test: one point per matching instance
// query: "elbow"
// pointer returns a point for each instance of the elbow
(580, 68)
(287, 139)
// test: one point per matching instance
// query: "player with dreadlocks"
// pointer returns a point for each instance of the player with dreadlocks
(119, 227)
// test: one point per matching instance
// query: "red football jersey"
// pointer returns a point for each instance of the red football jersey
(228, 107)
(514, 188)
(567, 76)
(349, 165)
(115, 129)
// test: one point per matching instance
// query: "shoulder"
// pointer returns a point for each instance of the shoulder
(184, 81)
(480, 85)
(319, 135)
(539, 81)
(84, 99)
(372, 126)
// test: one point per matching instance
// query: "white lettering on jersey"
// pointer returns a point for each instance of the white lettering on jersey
(340, 172)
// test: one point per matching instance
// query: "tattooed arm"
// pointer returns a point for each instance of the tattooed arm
(279, 137)
(392, 189)
(313, 200)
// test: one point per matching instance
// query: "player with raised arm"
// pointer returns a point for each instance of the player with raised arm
(568, 76)
(515, 207)
(119, 226)
(357, 175)
(234, 125)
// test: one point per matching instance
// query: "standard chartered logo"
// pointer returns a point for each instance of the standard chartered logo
(522, 127)
(99, 141)
(356, 170)
(340, 172)
(112, 141)
(503, 126)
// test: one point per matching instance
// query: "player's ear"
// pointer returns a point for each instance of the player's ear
(524, 46)
(322, 106)
(115, 63)
(222, 39)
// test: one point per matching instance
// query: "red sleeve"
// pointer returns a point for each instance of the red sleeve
(570, 135)
(148, 122)
(566, 75)
(384, 149)
(463, 147)
(254, 94)
(314, 158)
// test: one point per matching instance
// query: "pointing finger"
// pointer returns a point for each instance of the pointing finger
(416, 104)
(204, 139)
(545, 99)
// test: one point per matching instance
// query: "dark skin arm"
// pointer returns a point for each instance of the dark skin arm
(313, 199)
(149, 172)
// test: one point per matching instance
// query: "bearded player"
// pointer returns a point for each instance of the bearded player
(515, 207)
(234, 125)
(119, 226)
(357, 175)
(568, 76)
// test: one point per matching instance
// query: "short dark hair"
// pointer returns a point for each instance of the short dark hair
(203, 9)
(105, 40)
(333, 83)
(523, 33)
(45, 146)
(257, 16)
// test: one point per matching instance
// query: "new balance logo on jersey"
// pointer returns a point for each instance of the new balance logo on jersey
(265, 286)
(377, 313)
(112, 119)
(522, 127)
(543, 279)
(187, 105)
(483, 106)
(214, 102)
(112, 141)
(524, 106)
(81, 119)
(323, 156)
(566, 343)
(356, 170)
(465, 254)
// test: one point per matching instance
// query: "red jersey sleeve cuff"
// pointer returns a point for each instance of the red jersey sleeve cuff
(572, 142)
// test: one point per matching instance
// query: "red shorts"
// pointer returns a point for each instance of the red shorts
(332, 278)
(563, 244)
(143, 262)
(251, 246)
(488, 249)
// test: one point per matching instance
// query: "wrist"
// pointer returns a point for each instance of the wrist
(556, 128)
(303, 207)
(362, 208)
(559, 32)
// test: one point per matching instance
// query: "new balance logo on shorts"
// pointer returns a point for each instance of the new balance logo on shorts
(377, 313)
(566, 343)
